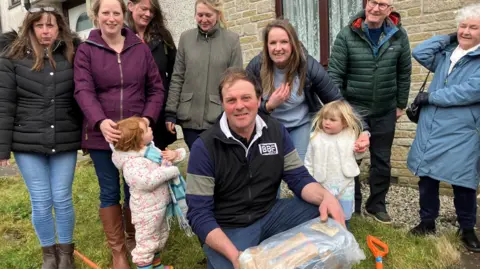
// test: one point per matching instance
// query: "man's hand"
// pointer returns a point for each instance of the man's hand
(362, 143)
(278, 97)
(421, 99)
(170, 127)
(109, 131)
(5, 162)
(169, 155)
(400, 112)
(331, 206)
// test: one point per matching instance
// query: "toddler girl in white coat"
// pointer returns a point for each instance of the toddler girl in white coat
(330, 157)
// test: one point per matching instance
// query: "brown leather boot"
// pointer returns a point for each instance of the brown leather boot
(113, 226)
(49, 257)
(129, 230)
(65, 256)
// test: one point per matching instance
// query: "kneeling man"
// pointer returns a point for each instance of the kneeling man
(234, 173)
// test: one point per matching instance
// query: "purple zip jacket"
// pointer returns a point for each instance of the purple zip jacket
(115, 86)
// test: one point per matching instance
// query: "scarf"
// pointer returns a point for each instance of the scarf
(177, 208)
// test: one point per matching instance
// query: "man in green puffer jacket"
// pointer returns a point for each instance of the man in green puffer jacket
(371, 64)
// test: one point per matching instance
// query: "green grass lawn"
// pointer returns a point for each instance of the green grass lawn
(19, 247)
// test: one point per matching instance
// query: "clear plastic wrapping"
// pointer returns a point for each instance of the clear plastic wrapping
(311, 245)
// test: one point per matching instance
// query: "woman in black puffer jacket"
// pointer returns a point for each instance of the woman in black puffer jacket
(41, 124)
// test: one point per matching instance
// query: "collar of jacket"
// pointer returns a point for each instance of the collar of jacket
(210, 33)
(223, 133)
(392, 21)
(131, 39)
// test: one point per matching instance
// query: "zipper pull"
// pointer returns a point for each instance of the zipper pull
(118, 57)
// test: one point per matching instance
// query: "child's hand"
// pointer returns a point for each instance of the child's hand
(166, 163)
(169, 155)
(362, 143)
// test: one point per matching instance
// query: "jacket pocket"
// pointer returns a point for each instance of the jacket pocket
(183, 111)
(214, 108)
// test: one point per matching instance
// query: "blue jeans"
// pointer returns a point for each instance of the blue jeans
(49, 182)
(300, 136)
(285, 214)
(109, 179)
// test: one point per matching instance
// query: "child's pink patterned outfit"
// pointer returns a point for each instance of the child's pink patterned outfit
(149, 198)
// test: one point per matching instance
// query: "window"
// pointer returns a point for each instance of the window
(318, 21)
(83, 22)
(14, 3)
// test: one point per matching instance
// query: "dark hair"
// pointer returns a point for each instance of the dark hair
(27, 40)
(96, 8)
(232, 74)
(297, 64)
(156, 27)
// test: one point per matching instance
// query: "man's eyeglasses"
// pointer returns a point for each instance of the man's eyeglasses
(381, 6)
(41, 9)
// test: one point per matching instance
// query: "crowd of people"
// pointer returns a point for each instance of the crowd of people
(119, 95)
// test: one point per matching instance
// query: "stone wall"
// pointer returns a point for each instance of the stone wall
(248, 18)
(180, 15)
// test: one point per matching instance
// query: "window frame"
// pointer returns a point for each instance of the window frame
(324, 27)
(70, 4)
(14, 3)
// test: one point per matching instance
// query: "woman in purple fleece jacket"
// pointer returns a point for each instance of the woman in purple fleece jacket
(115, 78)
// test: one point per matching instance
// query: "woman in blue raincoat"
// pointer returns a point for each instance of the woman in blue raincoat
(447, 143)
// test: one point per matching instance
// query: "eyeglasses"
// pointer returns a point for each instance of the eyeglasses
(381, 6)
(42, 9)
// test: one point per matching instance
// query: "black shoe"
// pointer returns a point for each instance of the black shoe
(469, 239)
(424, 228)
(381, 217)
(49, 257)
(65, 256)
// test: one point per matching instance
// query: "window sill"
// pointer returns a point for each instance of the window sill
(14, 5)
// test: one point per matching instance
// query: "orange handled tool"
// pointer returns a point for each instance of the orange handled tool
(86, 260)
(374, 244)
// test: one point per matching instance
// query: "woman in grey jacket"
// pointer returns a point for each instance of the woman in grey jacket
(203, 55)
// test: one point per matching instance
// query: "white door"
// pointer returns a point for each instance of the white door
(79, 21)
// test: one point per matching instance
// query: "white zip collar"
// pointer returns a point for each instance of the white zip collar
(259, 124)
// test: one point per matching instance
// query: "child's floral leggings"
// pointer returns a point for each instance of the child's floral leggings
(151, 234)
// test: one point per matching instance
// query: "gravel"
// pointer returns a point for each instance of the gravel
(403, 206)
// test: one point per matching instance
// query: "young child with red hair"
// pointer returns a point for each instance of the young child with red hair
(149, 188)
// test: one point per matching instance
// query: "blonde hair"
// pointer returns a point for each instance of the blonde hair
(342, 109)
(216, 5)
(131, 137)
(297, 64)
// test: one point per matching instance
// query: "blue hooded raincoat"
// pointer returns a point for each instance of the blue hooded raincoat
(447, 142)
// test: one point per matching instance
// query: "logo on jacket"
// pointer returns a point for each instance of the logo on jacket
(268, 149)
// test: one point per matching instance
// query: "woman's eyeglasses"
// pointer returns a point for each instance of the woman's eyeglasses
(42, 9)
(381, 6)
